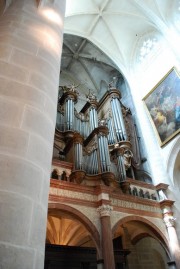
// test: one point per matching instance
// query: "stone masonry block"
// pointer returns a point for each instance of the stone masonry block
(20, 176)
(5, 52)
(45, 189)
(38, 231)
(40, 152)
(51, 109)
(13, 257)
(34, 63)
(36, 121)
(13, 141)
(18, 42)
(42, 83)
(39, 262)
(15, 207)
(10, 112)
(11, 71)
(20, 92)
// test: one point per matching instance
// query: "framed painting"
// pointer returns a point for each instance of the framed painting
(163, 106)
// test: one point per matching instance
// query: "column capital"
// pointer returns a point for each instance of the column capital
(169, 221)
(104, 210)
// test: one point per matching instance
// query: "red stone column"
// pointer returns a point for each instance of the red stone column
(169, 221)
(107, 244)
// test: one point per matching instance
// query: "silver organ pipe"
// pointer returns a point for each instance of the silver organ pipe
(91, 118)
(87, 128)
(106, 152)
(116, 121)
(60, 121)
(72, 115)
(69, 115)
(120, 131)
(70, 107)
(121, 120)
(89, 163)
(92, 163)
(121, 168)
(75, 123)
(96, 167)
(95, 118)
(111, 138)
(84, 129)
(102, 156)
(78, 157)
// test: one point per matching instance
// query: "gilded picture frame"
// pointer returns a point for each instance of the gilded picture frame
(163, 106)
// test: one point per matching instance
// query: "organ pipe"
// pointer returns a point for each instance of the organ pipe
(85, 131)
(116, 121)
(121, 120)
(121, 168)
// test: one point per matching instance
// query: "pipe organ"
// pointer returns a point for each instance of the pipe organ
(98, 139)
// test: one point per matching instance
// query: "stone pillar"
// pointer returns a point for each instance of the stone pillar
(169, 220)
(30, 45)
(107, 244)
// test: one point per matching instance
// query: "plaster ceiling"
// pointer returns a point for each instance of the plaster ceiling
(117, 27)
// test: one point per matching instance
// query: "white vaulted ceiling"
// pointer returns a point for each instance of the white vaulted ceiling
(119, 27)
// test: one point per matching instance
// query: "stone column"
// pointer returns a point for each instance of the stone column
(107, 244)
(30, 52)
(169, 220)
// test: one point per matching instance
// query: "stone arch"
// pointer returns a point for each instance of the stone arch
(157, 233)
(53, 207)
(138, 237)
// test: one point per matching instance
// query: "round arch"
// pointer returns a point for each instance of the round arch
(54, 207)
(162, 239)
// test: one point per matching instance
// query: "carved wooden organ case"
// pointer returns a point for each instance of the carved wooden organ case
(100, 140)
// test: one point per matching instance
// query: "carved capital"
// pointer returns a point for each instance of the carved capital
(105, 210)
(169, 221)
